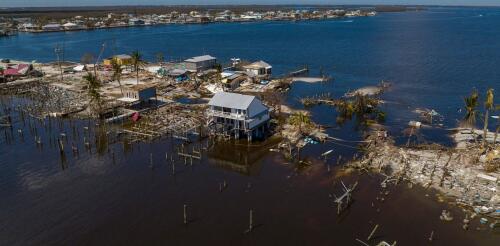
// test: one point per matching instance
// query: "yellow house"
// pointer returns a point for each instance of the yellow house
(123, 60)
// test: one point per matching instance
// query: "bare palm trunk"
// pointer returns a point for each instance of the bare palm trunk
(485, 128)
(137, 74)
(120, 84)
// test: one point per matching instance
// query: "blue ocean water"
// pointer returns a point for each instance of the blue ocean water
(433, 58)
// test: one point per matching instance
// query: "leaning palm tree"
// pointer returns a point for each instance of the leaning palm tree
(137, 62)
(471, 104)
(488, 105)
(93, 91)
(117, 73)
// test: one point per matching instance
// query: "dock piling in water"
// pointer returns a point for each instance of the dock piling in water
(185, 215)
(250, 221)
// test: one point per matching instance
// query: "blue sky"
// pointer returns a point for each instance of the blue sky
(50, 3)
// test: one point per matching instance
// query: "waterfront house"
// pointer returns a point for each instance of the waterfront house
(259, 69)
(123, 60)
(200, 63)
(232, 114)
(52, 28)
(232, 80)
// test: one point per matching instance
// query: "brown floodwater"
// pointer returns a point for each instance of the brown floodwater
(112, 195)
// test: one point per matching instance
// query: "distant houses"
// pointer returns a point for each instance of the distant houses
(136, 22)
(52, 28)
(112, 20)
(238, 115)
(29, 27)
(70, 26)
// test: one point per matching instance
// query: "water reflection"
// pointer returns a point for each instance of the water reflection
(239, 156)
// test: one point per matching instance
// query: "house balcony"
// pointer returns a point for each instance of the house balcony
(227, 115)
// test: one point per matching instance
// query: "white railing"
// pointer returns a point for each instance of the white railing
(226, 115)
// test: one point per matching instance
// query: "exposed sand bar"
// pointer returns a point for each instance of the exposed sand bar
(309, 79)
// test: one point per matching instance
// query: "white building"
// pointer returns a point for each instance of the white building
(234, 114)
(52, 28)
(200, 63)
(72, 26)
(29, 27)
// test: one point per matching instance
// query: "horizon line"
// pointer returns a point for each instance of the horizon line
(231, 5)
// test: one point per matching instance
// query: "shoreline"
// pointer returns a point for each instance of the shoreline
(185, 23)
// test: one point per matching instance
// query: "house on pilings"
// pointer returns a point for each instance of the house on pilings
(236, 115)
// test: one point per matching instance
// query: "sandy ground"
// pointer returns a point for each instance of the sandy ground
(308, 79)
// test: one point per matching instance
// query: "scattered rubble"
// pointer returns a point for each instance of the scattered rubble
(461, 173)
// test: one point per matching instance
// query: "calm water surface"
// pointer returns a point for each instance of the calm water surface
(433, 59)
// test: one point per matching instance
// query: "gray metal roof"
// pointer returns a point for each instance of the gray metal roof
(201, 58)
(231, 100)
(259, 64)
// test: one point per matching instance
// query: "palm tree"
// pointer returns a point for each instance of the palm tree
(117, 73)
(218, 77)
(137, 62)
(488, 105)
(93, 90)
(160, 58)
(471, 104)
(2, 78)
(300, 119)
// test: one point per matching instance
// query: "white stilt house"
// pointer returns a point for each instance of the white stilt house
(232, 114)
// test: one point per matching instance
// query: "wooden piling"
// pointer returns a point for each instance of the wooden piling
(61, 145)
(250, 221)
(185, 215)
(372, 233)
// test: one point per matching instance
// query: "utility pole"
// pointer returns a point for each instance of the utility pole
(58, 51)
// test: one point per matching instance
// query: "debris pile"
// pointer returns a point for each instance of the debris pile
(53, 100)
(458, 173)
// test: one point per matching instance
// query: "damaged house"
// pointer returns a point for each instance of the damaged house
(231, 114)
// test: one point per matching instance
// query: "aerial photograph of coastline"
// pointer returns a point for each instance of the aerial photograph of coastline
(250, 122)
